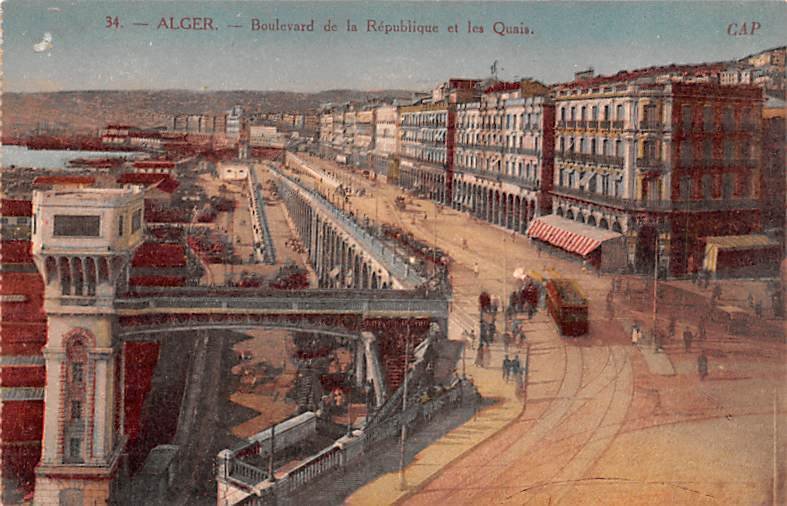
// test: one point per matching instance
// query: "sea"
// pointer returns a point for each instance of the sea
(21, 156)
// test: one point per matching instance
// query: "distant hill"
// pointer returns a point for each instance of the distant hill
(85, 111)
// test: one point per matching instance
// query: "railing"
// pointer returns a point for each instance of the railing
(246, 473)
(656, 205)
(344, 304)
(396, 266)
(650, 163)
(529, 184)
(613, 161)
(650, 125)
(324, 462)
(258, 209)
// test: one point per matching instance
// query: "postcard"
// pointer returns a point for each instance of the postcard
(370, 253)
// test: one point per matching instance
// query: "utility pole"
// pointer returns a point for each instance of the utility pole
(402, 481)
(271, 476)
(775, 491)
(655, 288)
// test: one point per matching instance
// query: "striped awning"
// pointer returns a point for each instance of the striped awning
(569, 235)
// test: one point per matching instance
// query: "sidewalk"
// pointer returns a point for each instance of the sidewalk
(428, 463)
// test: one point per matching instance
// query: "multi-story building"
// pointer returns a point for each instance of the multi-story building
(363, 134)
(427, 139)
(234, 122)
(23, 334)
(505, 154)
(386, 139)
(663, 163)
(338, 137)
(326, 131)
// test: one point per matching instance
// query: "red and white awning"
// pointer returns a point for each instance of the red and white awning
(569, 235)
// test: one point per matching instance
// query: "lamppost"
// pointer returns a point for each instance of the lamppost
(403, 421)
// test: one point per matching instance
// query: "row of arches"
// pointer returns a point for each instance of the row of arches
(589, 218)
(337, 262)
(79, 275)
(433, 184)
(508, 210)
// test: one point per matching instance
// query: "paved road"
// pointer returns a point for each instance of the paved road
(599, 427)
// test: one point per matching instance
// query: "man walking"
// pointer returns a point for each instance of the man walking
(702, 365)
(635, 334)
(516, 369)
(506, 368)
(688, 337)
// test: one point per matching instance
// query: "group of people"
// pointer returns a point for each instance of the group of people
(512, 368)
(688, 339)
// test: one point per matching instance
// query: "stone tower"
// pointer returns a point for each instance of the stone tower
(83, 241)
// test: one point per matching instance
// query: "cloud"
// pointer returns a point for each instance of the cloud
(44, 45)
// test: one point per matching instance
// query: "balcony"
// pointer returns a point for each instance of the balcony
(613, 161)
(529, 184)
(651, 125)
(650, 164)
(656, 205)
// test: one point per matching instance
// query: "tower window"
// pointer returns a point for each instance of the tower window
(76, 410)
(76, 373)
(75, 448)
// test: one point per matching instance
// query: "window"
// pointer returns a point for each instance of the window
(76, 410)
(727, 186)
(707, 118)
(619, 149)
(120, 226)
(707, 187)
(77, 373)
(77, 226)
(594, 113)
(592, 184)
(707, 149)
(136, 220)
(593, 146)
(75, 448)
(686, 152)
(728, 149)
(562, 114)
(685, 187)
(605, 184)
(619, 113)
(35, 222)
(686, 117)
(728, 119)
(606, 112)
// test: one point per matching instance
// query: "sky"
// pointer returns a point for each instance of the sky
(97, 45)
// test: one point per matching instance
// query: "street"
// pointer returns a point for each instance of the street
(601, 425)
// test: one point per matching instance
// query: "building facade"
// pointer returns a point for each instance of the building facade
(426, 145)
(386, 139)
(664, 163)
(505, 154)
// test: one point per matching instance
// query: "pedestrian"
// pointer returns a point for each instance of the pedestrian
(506, 368)
(750, 300)
(758, 309)
(635, 334)
(701, 331)
(516, 369)
(506, 340)
(702, 365)
(673, 322)
(479, 356)
(475, 268)
(530, 311)
(688, 337)
(472, 337)
(513, 236)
